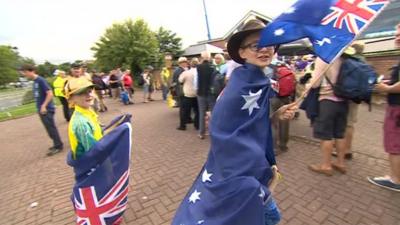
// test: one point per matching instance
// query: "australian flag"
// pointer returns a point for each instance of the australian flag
(330, 25)
(101, 177)
(231, 189)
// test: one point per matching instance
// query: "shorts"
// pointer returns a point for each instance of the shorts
(352, 116)
(391, 130)
(331, 121)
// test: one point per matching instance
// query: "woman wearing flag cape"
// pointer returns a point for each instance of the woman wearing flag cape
(100, 159)
(236, 183)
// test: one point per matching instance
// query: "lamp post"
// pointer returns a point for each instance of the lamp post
(208, 26)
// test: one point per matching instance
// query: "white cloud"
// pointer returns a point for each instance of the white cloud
(66, 30)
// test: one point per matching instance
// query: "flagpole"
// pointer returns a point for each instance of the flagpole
(207, 24)
(322, 68)
(317, 75)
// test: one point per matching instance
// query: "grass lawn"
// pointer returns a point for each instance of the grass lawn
(18, 111)
(5, 90)
(21, 111)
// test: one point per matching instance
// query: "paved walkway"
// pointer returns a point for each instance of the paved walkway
(166, 161)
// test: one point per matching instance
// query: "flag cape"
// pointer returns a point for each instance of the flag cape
(232, 186)
(102, 176)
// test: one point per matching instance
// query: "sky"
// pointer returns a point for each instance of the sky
(61, 31)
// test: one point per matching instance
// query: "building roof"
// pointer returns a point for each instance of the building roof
(249, 16)
(300, 47)
(379, 45)
(384, 24)
(198, 48)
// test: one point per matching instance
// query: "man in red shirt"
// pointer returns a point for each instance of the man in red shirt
(128, 84)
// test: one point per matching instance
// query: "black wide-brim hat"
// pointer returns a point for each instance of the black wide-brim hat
(235, 42)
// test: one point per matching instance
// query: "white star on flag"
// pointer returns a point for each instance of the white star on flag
(279, 32)
(200, 222)
(251, 101)
(206, 176)
(290, 10)
(323, 41)
(195, 196)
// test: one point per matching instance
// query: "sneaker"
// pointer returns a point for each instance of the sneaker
(53, 151)
(201, 136)
(181, 128)
(384, 182)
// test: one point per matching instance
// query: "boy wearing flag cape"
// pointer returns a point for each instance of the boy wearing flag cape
(236, 183)
(100, 163)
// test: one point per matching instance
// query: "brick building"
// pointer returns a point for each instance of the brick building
(380, 50)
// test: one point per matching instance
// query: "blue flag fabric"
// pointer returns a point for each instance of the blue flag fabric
(331, 25)
(101, 177)
(232, 186)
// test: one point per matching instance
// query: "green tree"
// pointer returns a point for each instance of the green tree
(26, 60)
(169, 42)
(130, 44)
(65, 67)
(8, 64)
(46, 69)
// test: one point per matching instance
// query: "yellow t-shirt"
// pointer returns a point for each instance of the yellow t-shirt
(84, 131)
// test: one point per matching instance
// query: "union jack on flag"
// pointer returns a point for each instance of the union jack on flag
(91, 211)
(354, 13)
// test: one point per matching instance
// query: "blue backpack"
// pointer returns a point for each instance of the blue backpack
(356, 81)
(124, 97)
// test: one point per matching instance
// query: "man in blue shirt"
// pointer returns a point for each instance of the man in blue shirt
(44, 103)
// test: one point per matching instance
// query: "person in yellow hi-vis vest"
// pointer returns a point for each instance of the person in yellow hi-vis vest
(58, 86)
(165, 76)
(84, 129)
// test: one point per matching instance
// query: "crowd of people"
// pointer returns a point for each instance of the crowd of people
(239, 96)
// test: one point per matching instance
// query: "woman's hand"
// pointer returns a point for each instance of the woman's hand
(381, 87)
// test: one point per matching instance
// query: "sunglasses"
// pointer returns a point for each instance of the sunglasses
(255, 47)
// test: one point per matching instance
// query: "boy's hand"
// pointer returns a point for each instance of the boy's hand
(288, 111)
(43, 110)
(275, 178)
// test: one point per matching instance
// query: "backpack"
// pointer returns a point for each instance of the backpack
(286, 80)
(124, 97)
(356, 81)
(99, 83)
(140, 80)
(217, 83)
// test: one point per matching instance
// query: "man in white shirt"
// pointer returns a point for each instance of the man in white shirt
(189, 100)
